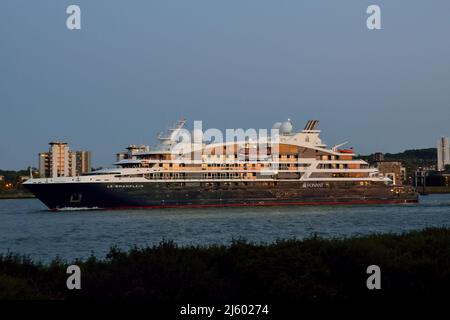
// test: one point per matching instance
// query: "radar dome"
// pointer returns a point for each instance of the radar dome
(286, 127)
(276, 125)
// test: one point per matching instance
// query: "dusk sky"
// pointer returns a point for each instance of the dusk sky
(136, 66)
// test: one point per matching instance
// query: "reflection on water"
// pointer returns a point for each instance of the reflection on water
(27, 228)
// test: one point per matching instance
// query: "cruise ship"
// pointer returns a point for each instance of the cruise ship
(285, 168)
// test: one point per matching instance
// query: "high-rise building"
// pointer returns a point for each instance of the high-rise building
(378, 156)
(59, 159)
(44, 164)
(60, 162)
(443, 153)
(393, 170)
(83, 162)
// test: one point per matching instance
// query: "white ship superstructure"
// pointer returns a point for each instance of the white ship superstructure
(297, 165)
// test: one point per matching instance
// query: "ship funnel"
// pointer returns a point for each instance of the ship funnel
(311, 125)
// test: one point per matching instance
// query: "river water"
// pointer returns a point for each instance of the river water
(27, 228)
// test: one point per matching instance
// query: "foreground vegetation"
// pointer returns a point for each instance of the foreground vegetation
(413, 265)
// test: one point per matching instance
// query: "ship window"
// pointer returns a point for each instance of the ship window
(130, 176)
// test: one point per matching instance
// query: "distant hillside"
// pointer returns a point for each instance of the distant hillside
(419, 155)
(411, 159)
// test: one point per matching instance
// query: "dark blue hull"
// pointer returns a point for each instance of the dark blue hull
(196, 194)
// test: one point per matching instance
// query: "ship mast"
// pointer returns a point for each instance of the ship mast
(167, 138)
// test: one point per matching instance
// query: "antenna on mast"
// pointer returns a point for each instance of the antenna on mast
(339, 145)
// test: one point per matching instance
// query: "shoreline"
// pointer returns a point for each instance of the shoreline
(434, 190)
(16, 196)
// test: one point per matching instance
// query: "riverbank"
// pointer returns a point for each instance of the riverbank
(433, 190)
(414, 265)
(16, 194)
